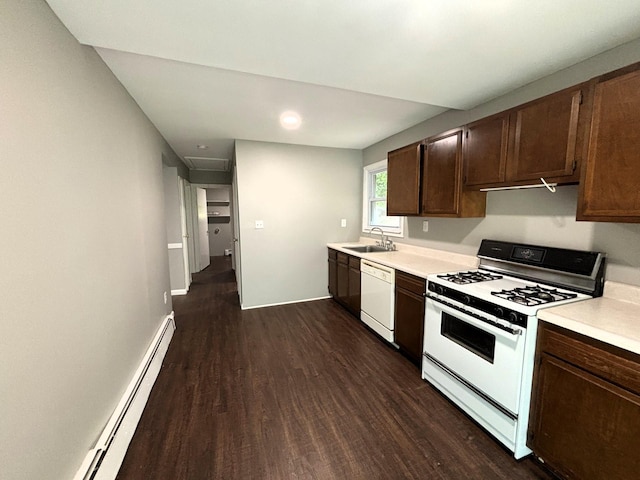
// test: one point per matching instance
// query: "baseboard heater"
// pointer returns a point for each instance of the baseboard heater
(103, 461)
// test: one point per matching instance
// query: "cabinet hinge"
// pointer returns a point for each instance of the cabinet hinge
(574, 166)
(581, 98)
(466, 134)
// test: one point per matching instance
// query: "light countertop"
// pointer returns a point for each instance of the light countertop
(417, 261)
(613, 318)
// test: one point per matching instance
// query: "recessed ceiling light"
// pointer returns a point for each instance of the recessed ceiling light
(290, 120)
(202, 147)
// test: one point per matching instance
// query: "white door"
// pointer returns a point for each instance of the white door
(203, 228)
(185, 232)
(236, 234)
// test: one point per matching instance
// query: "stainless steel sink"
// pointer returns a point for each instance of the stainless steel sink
(367, 248)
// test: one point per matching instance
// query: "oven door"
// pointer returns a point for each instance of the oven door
(485, 358)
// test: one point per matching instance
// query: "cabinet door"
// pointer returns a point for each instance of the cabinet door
(354, 285)
(441, 173)
(485, 150)
(545, 137)
(583, 426)
(342, 279)
(409, 314)
(333, 273)
(403, 180)
(409, 323)
(609, 188)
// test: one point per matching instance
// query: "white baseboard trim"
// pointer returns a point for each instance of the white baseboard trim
(181, 291)
(103, 461)
(284, 303)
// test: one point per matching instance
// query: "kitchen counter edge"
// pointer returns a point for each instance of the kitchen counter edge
(613, 318)
(416, 261)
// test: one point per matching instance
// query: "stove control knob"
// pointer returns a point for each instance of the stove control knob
(499, 312)
(466, 299)
(513, 317)
(439, 289)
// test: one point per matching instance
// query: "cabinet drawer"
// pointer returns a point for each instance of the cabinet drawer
(354, 262)
(343, 258)
(409, 282)
(606, 361)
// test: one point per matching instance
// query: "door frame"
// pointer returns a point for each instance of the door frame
(193, 217)
(185, 232)
(235, 228)
(204, 255)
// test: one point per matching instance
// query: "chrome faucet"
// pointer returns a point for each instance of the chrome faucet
(382, 240)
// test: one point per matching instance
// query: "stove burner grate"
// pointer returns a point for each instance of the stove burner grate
(463, 278)
(535, 295)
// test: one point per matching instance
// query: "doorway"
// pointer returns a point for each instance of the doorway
(210, 225)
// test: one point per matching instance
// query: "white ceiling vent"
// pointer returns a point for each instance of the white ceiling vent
(207, 163)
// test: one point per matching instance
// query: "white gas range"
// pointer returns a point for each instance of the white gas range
(480, 328)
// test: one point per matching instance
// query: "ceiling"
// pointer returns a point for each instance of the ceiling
(208, 72)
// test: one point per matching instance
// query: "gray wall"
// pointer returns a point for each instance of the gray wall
(84, 264)
(537, 216)
(203, 176)
(172, 160)
(300, 193)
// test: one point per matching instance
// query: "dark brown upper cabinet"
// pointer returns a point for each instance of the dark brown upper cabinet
(404, 167)
(609, 186)
(442, 194)
(425, 179)
(485, 150)
(544, 138)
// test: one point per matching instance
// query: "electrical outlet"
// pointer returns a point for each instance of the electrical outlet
(166, 298)
(259, 224)
(425, 225)
(343, 222)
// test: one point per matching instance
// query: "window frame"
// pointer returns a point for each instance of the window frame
(367, 191)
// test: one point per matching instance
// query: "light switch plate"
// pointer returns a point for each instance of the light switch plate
(425, 225)
(259, 224)
(343, 222)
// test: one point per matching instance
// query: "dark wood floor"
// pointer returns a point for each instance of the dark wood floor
(299, 391)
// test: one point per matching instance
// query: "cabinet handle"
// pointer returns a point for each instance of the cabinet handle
(551, 188)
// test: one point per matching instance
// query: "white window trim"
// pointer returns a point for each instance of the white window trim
(366, 227)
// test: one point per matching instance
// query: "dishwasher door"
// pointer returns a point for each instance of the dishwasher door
(377, 285)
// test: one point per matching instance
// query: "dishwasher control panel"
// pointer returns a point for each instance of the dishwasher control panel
(386, 274)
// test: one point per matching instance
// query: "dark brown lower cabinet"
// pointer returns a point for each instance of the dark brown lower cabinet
(344, 280)
(353, 303)
(342, 287)
(333, 272)
(585, 414)
(409, 315)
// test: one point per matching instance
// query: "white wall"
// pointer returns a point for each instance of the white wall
(300, 193)
(533, 216)
(84, 248)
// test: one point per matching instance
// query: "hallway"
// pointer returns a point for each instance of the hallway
(301, 391)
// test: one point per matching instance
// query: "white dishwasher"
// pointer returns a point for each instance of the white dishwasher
(377, 284)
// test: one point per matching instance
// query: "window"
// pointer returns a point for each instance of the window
(374, 210)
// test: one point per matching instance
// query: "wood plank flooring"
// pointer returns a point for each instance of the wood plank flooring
(300, 391)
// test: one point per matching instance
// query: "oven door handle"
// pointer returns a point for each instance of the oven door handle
(477, 320)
